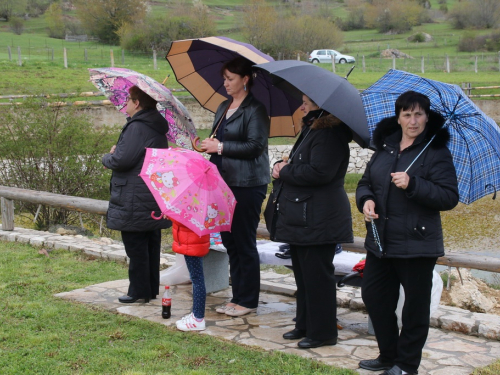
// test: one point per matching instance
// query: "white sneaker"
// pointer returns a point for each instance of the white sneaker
(189, 323)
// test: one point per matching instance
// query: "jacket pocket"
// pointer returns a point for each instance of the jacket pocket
(297, 210)
(118, 186)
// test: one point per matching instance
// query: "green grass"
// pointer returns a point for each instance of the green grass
(47, 335)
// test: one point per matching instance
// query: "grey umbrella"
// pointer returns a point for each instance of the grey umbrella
(329, 91)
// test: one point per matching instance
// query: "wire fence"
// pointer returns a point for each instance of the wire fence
(88, 54)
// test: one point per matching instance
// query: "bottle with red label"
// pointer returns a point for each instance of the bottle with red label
(166, 303)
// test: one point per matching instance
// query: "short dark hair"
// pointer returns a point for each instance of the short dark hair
(240, 66)
(145, 101)
(410, 100)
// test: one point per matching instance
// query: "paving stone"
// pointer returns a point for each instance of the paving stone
(261, 343)
(451, 371)
(457, 323)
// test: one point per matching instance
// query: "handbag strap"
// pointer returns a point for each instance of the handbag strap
(220, 121)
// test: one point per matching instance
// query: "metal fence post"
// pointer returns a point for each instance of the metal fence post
(112, 56)
(333, 63)
(10, 53)
(19, 60)
(154, 59)
(7, 214)
(65, 54)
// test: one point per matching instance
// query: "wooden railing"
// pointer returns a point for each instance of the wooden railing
(99, 207)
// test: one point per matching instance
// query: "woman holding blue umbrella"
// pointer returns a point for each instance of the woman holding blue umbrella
(401, 194)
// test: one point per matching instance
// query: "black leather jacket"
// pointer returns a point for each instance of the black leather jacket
(245, 159)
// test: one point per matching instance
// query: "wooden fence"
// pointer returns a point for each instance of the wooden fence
(99, 207)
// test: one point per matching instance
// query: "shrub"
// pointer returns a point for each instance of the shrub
(16, 25)
(52, 149)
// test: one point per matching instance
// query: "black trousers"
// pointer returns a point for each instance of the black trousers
(143, 249)
(244, 263)
(380, 293)
(316, 290)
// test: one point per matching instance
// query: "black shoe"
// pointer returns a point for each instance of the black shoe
(128, 299)
(309, 343)
(395, 370)
(295, 334)
(375, 364)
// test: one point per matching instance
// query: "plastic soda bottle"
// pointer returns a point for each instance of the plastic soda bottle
(166, 303)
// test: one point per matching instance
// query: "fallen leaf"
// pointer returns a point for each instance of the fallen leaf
(43, 252)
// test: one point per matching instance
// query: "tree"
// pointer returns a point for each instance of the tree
(55, 21)
(483, 14)
(200, 21)
(258, 21)
(395, 16)
(9, 8)
(52, 149)
(103, 18)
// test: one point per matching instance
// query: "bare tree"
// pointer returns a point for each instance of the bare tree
(258, 21)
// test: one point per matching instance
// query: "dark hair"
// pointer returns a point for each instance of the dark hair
(410, 100)
(145, 101)
(240, 66)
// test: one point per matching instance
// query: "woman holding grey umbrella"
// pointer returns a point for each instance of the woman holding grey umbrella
(314, 216)
(401, 194)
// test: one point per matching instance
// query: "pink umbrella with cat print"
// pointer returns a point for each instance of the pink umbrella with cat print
(189, 189)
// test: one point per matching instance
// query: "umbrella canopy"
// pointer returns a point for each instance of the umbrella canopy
(329, 91)
(115, 82)
(475, 137)
(197, 65)
(189, 189)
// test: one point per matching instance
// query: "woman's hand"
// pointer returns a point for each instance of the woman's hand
(400, 179)
(369, 210)
(209, 145)
(277, 168)
(112, 151)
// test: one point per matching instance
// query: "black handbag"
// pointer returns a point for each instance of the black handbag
(271, 210)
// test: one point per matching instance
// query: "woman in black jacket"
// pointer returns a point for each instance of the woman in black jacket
(314, 215)
(239, 150)
(131, 201)
(404, 203)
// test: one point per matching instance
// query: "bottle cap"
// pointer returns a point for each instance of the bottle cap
(167, 287)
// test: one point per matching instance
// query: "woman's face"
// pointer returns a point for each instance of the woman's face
(234, 83)
(132, 106)
(307, 105)
(412, 122)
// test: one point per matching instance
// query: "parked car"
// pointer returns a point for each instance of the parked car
(325, 56)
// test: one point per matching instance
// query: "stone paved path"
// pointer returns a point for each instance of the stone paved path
(458, 342)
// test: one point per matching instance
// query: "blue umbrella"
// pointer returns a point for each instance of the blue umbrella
(475, 137)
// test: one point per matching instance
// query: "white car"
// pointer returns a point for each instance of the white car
(325, 56)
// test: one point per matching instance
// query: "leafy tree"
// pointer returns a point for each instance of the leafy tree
(9, 8)
(55, 21)
(103, 18)
(48, 148)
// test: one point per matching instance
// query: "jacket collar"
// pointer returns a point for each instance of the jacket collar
(389, 131)
(245, 103)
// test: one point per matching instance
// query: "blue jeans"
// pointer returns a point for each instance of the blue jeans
(195, 268)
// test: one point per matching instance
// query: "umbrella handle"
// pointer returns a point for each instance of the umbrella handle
(158, 217)
(195, 142)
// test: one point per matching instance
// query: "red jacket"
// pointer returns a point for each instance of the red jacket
(189, 243)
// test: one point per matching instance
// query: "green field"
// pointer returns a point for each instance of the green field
(42, 58)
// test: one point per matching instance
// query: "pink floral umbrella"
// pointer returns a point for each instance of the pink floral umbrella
(189, 189)
(115, 82)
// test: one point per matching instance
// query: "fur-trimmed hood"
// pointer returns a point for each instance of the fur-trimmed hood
(389, 126)
(328, 121)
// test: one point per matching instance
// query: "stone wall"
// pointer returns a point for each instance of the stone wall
(357, 161)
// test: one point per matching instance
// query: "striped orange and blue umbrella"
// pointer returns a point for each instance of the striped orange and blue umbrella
(197, 65)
